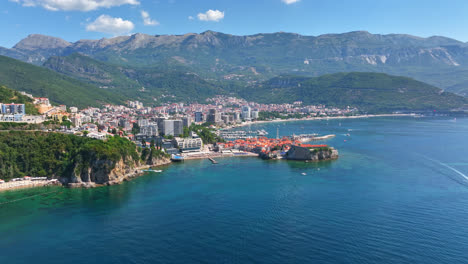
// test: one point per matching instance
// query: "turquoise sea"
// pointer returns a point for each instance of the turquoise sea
(397, 194)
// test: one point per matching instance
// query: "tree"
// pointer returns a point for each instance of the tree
(186, 132)
(135, 129)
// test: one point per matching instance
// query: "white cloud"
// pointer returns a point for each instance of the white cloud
(79, 5)
(211, 15)
(191, 18)
(147, 21)
(110, 25)
(288, 2)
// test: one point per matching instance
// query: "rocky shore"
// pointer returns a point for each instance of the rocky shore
(100, 175)
(303, 154)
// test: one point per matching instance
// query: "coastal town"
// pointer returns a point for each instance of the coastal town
(193, 131)
(216, 128)
(165, 123)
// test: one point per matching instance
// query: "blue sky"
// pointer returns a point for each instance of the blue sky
(92, 19)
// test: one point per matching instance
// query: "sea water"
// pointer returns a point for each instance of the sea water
(397, 194)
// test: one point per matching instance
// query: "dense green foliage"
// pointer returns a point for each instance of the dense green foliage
(56, 155)
(206, 134)
(149, 154)
(57, 87)
(262, 115)
(141, 83)
(316, 150)
(8, 96)
(19, 126)
(372, 92)
(52, 125)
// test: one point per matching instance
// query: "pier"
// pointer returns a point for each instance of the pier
(213, 161)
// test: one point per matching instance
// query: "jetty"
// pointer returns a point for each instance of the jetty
(324, 137)
(213, 161)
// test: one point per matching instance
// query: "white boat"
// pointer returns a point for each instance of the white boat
(151, 170)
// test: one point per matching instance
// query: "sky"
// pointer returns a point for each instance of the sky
(73, 20)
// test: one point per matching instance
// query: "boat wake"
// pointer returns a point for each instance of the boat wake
(464, 177)
(28, 197)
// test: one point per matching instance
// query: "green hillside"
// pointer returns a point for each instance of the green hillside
(374, 92)
(139, 83)
(57, 87)
(57, 155)
(8, 96)
(220, 57)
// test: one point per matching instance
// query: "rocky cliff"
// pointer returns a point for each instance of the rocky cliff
(101, 172)
(107, 172)
(306, 154)
(328, 154)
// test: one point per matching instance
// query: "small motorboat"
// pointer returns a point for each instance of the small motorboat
(151, 170)
(177, 158)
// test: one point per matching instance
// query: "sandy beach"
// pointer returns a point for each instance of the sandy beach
(14, 185)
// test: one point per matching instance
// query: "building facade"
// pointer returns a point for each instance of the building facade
(173, 127)
(188, 144)
(213, 117)
(150, 130)
(198, 117)
(13, 109)
(187, 121)
(246, 112)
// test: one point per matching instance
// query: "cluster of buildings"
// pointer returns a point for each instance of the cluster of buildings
(17, 112)
(164, 124)
(12, 112)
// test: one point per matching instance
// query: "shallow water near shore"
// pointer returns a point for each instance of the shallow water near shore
(397, 194)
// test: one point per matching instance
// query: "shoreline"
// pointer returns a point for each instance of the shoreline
(315, 118)
(11, 186)
(138, 171)
(219, 155)
(18, 185)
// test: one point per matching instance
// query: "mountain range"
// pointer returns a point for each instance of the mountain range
(439, 61)
(191, 67)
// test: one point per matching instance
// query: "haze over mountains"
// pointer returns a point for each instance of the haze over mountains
(199, 65)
